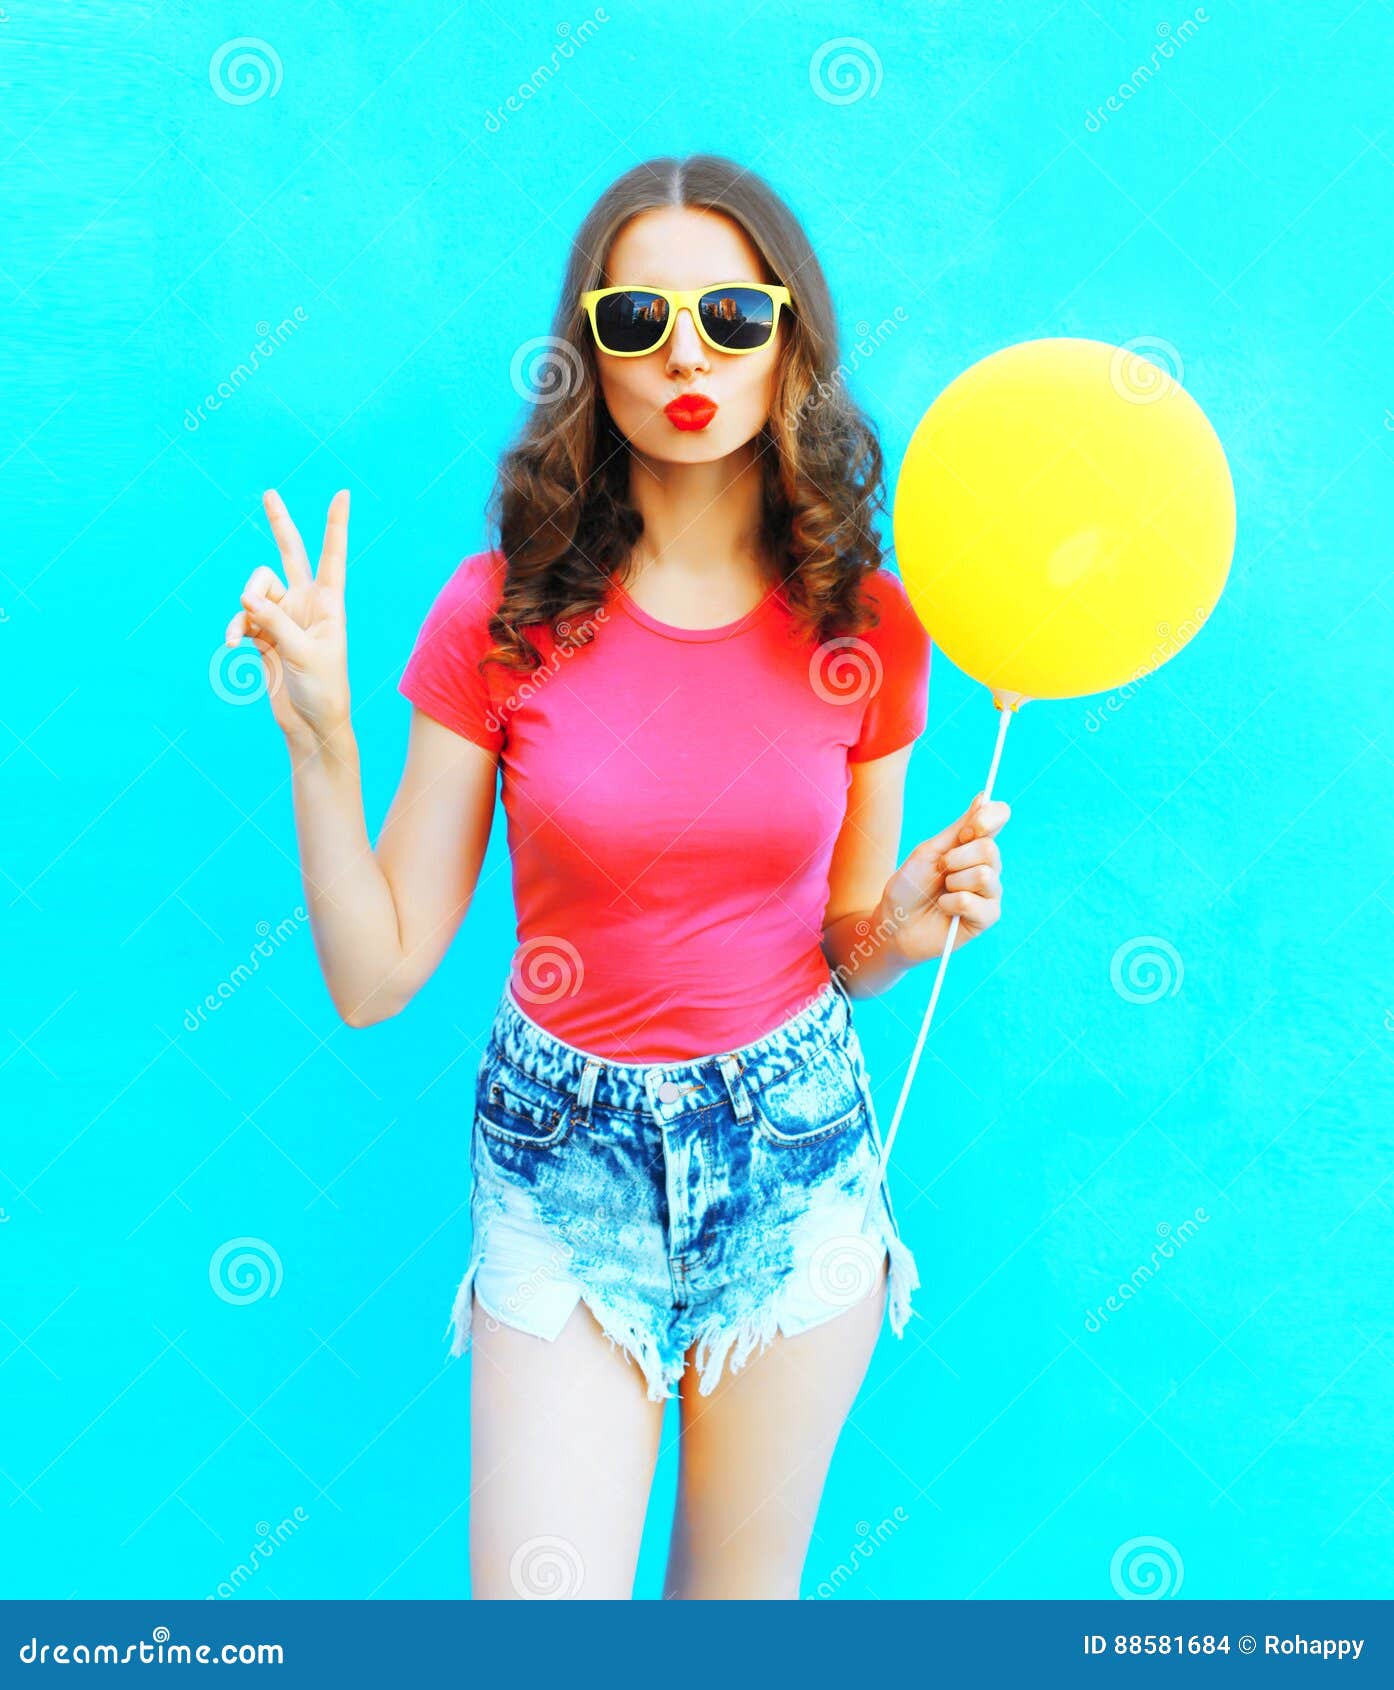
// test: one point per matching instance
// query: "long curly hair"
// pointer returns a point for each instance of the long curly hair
(560, 505)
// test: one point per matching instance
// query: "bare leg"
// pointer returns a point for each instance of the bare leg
(755, 1455)
(563, 1444)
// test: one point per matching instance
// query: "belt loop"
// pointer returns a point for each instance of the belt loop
(732, 1071)
(585, 1092)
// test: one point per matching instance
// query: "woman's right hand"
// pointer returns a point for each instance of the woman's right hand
(298, 626)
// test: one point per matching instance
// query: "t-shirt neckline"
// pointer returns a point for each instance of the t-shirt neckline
(669, 630)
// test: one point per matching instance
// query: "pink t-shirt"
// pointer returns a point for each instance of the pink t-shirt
(673, 798)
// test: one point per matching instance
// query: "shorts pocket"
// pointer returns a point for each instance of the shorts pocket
(819, 1098)
(512, 1105)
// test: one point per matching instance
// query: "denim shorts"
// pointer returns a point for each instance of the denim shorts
(716, 1201)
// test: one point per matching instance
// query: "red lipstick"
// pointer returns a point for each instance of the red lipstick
(690, 411)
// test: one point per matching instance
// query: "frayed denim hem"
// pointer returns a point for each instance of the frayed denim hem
(905, 1278)
(719, 1343)
(635, 1345)
(720, 1346)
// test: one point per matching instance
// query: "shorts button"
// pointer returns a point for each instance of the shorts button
(669, 1092)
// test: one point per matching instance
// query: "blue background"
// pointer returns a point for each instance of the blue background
(1230, 817)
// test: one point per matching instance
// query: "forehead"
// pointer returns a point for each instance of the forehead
(681, 247)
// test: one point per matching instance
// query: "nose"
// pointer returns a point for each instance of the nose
(686, 349)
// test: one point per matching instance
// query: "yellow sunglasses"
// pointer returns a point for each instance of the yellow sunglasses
(730, 316)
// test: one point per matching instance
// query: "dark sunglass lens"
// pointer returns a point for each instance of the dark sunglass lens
(738, 318)
(631, 321)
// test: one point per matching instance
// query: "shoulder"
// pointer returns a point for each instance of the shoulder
(897, 691)
(443, 675)
(898, 630)
(886, 591)
(463, 603)
(476, 582)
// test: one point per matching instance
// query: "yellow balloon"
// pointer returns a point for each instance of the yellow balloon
(1064, 519)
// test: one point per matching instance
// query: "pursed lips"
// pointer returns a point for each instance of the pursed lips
(690, 410)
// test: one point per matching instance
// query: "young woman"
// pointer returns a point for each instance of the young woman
(701, 690)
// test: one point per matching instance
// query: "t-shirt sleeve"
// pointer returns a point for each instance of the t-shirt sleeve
(442, 676)
(897, 707)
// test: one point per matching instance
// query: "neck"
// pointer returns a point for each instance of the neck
(700, 520)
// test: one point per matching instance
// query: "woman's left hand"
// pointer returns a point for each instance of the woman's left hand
(956, 873)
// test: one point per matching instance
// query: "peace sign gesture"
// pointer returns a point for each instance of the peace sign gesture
(298, 626)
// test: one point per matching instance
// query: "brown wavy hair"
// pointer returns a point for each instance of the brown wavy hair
(560, 506)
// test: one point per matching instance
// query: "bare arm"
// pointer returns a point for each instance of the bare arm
(382, 920)
(854, 943)
(882, 920)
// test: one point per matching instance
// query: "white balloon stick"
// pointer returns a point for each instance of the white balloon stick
(1013, 700)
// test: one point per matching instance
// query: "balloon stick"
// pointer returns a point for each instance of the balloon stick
(1013, 701)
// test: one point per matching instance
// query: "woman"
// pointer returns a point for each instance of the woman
(702, 691)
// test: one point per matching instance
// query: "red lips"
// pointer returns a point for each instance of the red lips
(690, 411)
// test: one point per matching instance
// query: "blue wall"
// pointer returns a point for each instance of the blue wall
(1208, 1146)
